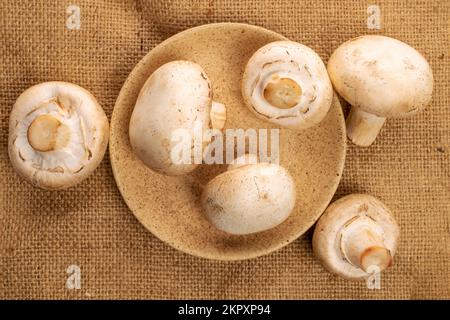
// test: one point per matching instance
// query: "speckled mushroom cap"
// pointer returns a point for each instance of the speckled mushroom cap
(249, 197)
(355, 232)
(381, 75)
(174, 103)
(58, 134)
(286, 83)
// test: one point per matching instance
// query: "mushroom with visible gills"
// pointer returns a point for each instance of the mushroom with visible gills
(58, 134)
(381, 78)
(286, 83)
(249, 197)
(177, 95)
(356, 237)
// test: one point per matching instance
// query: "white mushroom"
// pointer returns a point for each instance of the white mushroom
(381, 78)
(356, 236)
(58, 134)
(287, 83)
(176, 96)
(249, 198)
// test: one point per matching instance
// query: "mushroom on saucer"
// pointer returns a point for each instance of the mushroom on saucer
(286, 83)
(249, 197)
(177, 96)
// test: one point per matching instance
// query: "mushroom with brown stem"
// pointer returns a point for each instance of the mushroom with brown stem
(58, 134)
(249, 197)
(286, 83)
(178, 95)
(381, 78)
(356, 236)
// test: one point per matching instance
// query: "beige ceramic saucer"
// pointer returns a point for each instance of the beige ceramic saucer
(169, 207)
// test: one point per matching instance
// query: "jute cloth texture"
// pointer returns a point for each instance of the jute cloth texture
(42, 233)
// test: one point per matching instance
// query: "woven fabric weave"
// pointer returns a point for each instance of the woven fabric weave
(43, 232)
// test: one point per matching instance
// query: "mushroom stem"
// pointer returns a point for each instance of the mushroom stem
(218, 115)
(365, 249)
(46, 133)
(363, 127)
(283, 93)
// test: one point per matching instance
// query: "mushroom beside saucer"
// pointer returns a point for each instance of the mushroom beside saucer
(381, 78)
(58, 134)
(356, 237)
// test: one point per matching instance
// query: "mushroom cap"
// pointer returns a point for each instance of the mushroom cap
(82, 123)
(176, 96)
(249, 198)
(301, 71)
(381, 75)
(339, 215)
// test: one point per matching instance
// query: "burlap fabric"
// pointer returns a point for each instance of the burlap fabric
(42, 232)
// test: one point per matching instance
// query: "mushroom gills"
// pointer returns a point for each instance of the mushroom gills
(284, 86)
(52, 138)
(286, 83)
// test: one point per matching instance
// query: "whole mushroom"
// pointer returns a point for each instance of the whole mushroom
(249, 197)
(381, 78)
(58, 134)
(176, 96)
(286, 83)
(355, 237)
